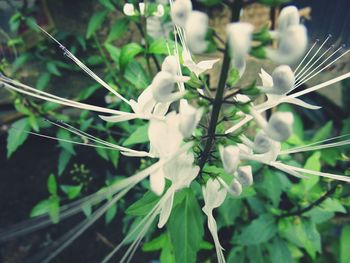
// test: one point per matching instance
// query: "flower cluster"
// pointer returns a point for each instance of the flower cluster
(173, 119)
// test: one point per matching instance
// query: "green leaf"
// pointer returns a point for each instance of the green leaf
(111, 213)
(95, 22)
(136, 75)
(255, 254)
(65, 135)
(17, 135)
(279, 252)
(142, 206)
(228, 212)
(52, 185)
(128, 52)
(40, 208)
(333, 205)
(258, 231)
(118, 29)
(233, 77)
(20, 61)
(271, 186)
(160, 47)
(63, 160)
(114, 52)
(302, 233)
(43, 80)
(345, 244)
(186, 229)
(236, 255)
(52, 68)
(107, 3)
(312, 163)
(140, 135)
(323, 133)
(72, 191)
(155, 244)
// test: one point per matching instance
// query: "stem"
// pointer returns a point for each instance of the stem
(217, 103)
(319, 201)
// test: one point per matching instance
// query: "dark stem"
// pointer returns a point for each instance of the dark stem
(217, 103)
(319, 201)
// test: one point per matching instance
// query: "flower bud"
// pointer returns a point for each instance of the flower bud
(229, 157)
(239, 37)
(214, 194)
(288, 17)
(170, 65)
(189, 118)
(129, 9)
(280, 126)
(245, 175)
(196, 29)
(283, 80)
(235, 187)
(262, 143)
(180, 10)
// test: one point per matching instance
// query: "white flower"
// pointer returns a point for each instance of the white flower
(262, 143)
(157, 29)
(239, 37)
(245, 175)
(282, 80)
(171, 65)
(197, 68)
(189, 118)
(291, 46)
(235, 188)
(157, 181)
(163, 86)
(229, 157)
(129, 10)
(180, 11)
(280, 126)
(196, 29)
(165, 136)
(214, 195)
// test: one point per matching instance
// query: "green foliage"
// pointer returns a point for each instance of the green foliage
(17, 135)
(95, 23)
(186, 228)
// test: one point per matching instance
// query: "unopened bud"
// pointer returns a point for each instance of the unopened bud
(235, 187)
(245, 175)
(229, 157)
(288, 17)
(283, 80)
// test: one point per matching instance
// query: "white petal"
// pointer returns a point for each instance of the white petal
(166, 211)
(301, 103)
(196, 29)
(245, 175)
(280, 126)
(180, 10)
(157, 182)
(159, 12)
(142, 8)
(119, 118)
(229, 157)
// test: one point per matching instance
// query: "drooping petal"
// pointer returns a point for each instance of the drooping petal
(157, 181)
(166, 210)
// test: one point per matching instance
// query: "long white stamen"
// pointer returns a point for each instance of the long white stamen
(62, 101)
(85, 68)
(318, 147)
(318, 142)
(318, 50)
(327, 175)
(325, 67)
(307, 54)
(306, 72)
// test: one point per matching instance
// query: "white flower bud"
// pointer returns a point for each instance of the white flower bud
(280, 126)
(245, 175)
(189, 118)
(159, 12)
(262, 143)
(129, 9)
(235, 187)
(196, 29)
(170, 65)
(283, 80)
(142, 7)
(239, 37)
(157, 182)
(163, 86)
(229, 157)
(180, 10)
(214, 194)
(291, 46)
(288, 17)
